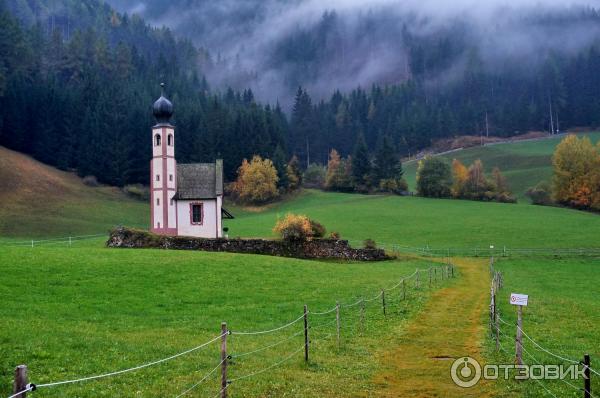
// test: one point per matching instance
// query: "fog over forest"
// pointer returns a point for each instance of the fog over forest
(273, 46)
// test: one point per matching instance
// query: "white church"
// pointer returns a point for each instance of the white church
(186, 199)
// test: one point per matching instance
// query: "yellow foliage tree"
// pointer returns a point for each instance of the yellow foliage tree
(257, 181)
(460, 174)
(575, 180)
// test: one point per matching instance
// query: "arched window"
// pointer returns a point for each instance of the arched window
(157, 140)
(170, 139)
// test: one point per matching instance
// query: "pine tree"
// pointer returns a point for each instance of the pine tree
(361, 164)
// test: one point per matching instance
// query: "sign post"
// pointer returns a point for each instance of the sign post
(520, 300)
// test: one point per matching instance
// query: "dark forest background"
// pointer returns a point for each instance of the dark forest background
(77, 83)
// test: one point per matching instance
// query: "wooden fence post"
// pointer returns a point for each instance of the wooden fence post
(417, 280)
(430, 278)
(519, 339)
(435, 274)
(20, 382)
(362, 316)
(587, 381)
(224, 333)
(383, 301)
(337, 318)
(305, 333)
(497, 330)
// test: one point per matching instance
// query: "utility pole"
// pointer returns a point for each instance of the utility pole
(487, 126)
(551, 117)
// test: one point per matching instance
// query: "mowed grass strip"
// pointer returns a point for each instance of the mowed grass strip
(563, 316)
(437, 223)
(84, 310)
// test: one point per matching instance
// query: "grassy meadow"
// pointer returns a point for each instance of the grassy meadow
(437, 223)
(39, 201)
(563, 316)
(84, 310)
(523, 163)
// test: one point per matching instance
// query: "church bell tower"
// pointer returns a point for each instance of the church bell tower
(163, 169)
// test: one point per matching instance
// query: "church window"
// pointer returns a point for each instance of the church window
(170, 139)
(170, 177)
(158, 177)
(157, 140)
(196, 213)
(158, 201)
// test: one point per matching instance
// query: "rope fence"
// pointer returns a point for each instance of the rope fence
(307, 328)
(501, 338)
(495, 251)
(68, 240)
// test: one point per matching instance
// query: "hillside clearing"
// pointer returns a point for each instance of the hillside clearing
(525, 164)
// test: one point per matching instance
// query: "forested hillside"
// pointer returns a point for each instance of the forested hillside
(78, 95)
(77, 78)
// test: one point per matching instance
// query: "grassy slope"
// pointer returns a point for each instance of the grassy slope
(41, 201)
(523, 163)
(414, 221)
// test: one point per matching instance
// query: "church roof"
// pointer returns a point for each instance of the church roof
(199, 180)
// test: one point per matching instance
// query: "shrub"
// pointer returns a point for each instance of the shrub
(314, 176)
(335, 235)
(370, 244)
(91, 181)
(137, 191)
(393, 185)
(318, 230)
(540, 194)
(294, 227)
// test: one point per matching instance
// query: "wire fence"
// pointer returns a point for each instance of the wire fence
(501, 331)
(310, 324)
(65, 240)
(491, 251)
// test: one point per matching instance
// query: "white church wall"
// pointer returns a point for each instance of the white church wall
(208, 228)
(157, 209)
(157, 170)
(172, 210)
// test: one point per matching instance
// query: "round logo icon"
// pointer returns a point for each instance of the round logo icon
(465, 372)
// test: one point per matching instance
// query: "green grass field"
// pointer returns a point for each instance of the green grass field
(562, 316)
(523, 163)
(84, 310)
(414, 221)
(39, 201)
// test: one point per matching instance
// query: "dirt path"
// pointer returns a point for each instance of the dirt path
(450, 327)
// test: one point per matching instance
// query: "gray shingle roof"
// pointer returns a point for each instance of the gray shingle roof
(199, 180)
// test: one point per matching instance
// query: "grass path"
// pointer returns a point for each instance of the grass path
(449, 327)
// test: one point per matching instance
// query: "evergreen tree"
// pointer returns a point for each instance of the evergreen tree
(361, 164)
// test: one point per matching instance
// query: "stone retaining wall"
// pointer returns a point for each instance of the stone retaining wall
(315, 249)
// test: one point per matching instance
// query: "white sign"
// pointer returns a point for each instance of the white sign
(518, 299)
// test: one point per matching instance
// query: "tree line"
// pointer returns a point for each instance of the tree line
(83, 101)
(76, 92)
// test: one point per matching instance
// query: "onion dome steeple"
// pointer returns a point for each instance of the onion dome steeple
(162, 108)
